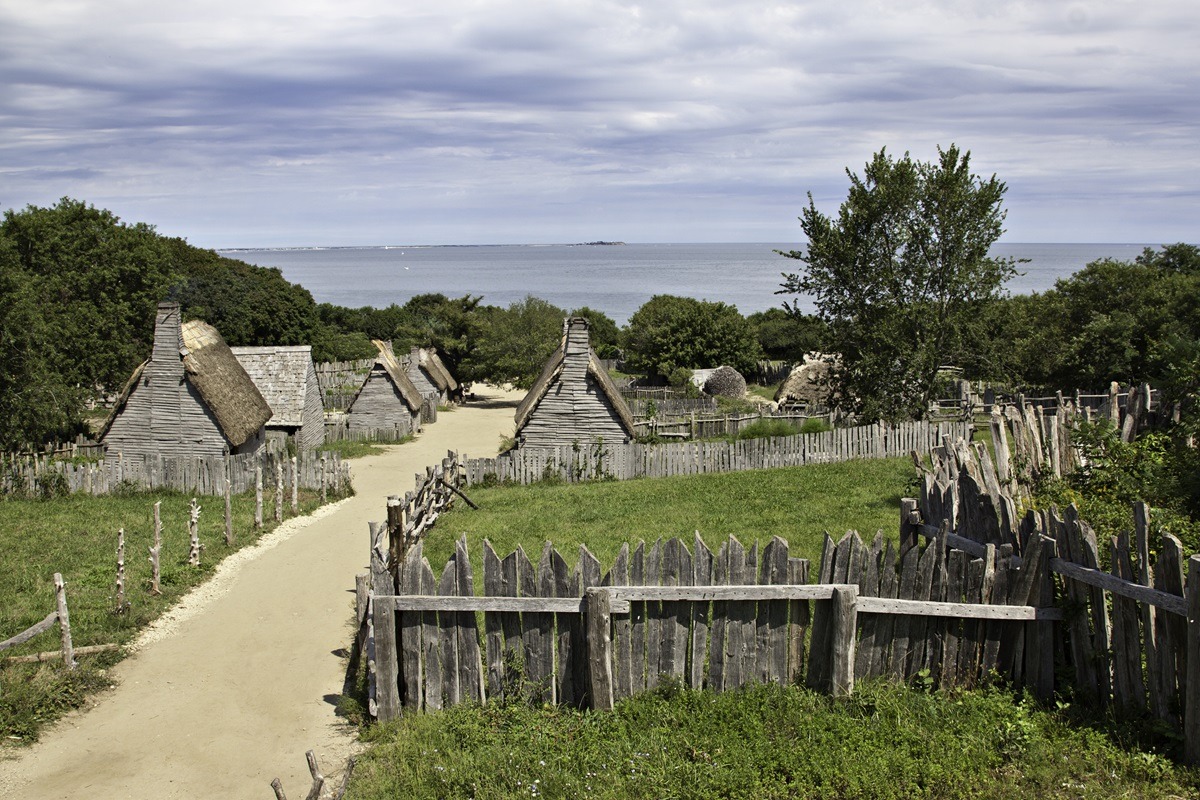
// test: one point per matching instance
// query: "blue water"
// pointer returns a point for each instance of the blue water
(614, 279)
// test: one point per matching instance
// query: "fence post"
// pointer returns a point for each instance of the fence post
(194, 531)
(64, 621)
(1191, 713)
(278, 491)
(228, 503)
(845, 626)
(156, 550)
(909, 522)
(599, 647)
(258, 496)
(387, 663)
(295, 488)
(121, 571)
(324, 481)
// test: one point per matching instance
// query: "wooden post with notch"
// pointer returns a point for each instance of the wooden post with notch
(842, 640)
(599, 647)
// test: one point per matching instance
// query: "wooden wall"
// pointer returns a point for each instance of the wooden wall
(379, 405)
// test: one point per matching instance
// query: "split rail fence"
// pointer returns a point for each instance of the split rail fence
(635, 460)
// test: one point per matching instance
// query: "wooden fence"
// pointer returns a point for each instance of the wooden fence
(1132, 641)
(337, 429)
(694, 426)
(340, 381)
(635, 460)
(61, 617)
(197, 475)
(674, 406)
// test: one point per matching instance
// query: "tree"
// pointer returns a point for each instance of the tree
(900, 274)
(454, 326)
(787, 335)
(670, 332)
(519, 340)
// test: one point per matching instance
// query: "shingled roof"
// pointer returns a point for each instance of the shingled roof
(281, 375)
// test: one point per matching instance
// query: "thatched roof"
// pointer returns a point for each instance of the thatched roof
(436, 370)
(281, 374)
(551, 372)
(806, 382)
(391, 365)
(223, 383)
(725, 382)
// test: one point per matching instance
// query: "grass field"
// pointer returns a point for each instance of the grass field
(798, 503)
(77, 536)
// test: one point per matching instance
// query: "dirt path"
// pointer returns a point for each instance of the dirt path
(233, 689)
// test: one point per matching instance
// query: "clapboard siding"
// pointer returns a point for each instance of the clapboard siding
(287, 380)
(312, 432)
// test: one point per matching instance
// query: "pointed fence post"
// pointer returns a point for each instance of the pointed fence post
(278, 491)
(121, 571)
(258, 496)
(228, 503)
(295, 486)
(194, 531)
(156, 550)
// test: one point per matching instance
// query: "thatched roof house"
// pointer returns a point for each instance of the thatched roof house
(806, 385)
(574, 399)
(287, 380)
(387, 399)
(429, 374)
(191, 398)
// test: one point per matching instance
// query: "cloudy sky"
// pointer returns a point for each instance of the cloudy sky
(299, 122)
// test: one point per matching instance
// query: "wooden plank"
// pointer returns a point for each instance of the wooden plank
(493, 628)
(587, 577)
(1081, 644)
(531, 628)
(599, 649)
(564, 676)
(868, 586)
(969, 647)
(637, 618)
(746, 615)
(448, 637)
(1141, 528)
(736, 614)
(654, 622)
(751, 592)
(842, 640)
(513, 658)
(918, 626)
(432, 656)
(683, 616)
(1170, 629)
(1129, 690)
(412, 688)
(470, 672)
(998, 594)
(543, 673)
(669, 641)
(898, 662)
(889, 587)
(387, 662)
(956, 574)
(702, 575)
(1191, 706)
(622, 649)
(1100, 656)
(775, 572)
(798, 618)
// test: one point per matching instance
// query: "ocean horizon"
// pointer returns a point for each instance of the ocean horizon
(614, 278)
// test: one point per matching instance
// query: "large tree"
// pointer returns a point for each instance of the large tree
(900, 274)
(670, 332)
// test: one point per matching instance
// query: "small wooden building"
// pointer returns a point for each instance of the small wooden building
(190, 398)
(287, 380)
(429, 374)
(574, 399)
(387, 399)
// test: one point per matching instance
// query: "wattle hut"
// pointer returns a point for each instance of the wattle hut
(387, 399)
(574, 399)
(287, 380)
(190, 398)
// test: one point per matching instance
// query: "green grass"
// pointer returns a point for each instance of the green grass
(767, 392)
(765, 741)
(77, 536)
(797, 503)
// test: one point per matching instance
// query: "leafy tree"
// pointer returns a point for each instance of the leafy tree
(669, 332)
(454, 326)
(519, 340)
(900, 274)
(604, 333)
(787, 335)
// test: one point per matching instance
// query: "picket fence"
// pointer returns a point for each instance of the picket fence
(636, 460)
(195, 474)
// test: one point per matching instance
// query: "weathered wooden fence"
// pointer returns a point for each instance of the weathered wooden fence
(1134, 632)
(668, 407)
(337, 428)
(197, 475)
(340, 380)
(636, 460)
(696, 426)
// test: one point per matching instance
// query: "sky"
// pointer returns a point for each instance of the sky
(371, 122)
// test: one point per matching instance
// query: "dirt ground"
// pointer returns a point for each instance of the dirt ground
(233, 686)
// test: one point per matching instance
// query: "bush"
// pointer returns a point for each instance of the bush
(767, 427)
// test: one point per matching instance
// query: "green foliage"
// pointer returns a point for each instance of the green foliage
(455, 327)
(670, 332)
(519, 340)
(900, 275)
(787, 334)
(815, 425)
(765, 741)
(766, 427)
(604, 333)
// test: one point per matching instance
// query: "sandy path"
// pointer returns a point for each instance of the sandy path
(239, 683)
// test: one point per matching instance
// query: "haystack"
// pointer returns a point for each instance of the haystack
(725, 382)
(807, 383)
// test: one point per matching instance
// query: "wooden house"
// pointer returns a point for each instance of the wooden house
(574, 399)
(387, 399)
(190, 398)
(429, 374)
(287, 380)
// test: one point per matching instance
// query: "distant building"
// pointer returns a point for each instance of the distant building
(574, 399)
(287, 380)
(191, 398)
(429, 374)
(387, 399)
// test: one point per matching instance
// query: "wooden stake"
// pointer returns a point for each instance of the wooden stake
(228, 504)
(295, 486)
(64, 621)
(324, 481)
(599, 647)
(155, 589)
(194, 532)
(121, 604)
(258, 497)
(278, 491)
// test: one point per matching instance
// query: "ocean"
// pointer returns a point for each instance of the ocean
(615, 279)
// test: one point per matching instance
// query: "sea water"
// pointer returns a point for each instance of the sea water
(615, 279)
